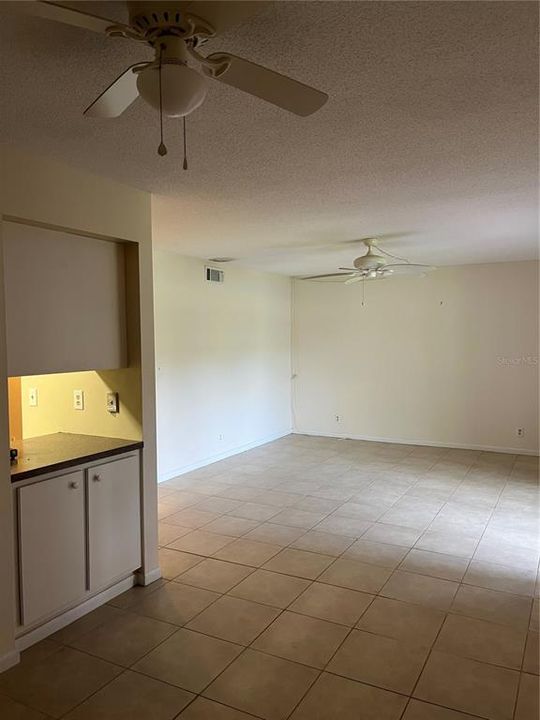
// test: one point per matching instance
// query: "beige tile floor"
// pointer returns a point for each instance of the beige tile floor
(316, 579)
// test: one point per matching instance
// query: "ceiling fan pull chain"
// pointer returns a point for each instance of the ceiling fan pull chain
(162, 149)
(363, 291)
(185, 165)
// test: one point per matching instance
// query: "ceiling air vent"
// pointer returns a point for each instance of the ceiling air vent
(213, 275)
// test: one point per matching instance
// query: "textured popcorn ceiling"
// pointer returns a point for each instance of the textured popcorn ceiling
(431, 129)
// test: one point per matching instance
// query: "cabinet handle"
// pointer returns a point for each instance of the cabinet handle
(97, 478)
(73, 484)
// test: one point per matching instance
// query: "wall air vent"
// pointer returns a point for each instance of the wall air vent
(213, 275)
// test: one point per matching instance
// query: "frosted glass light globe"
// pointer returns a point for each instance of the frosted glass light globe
(183, 89)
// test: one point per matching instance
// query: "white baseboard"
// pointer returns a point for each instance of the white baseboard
(170, 474)
(425, 443)
(57, 623)
(9, 660)
(147, 578)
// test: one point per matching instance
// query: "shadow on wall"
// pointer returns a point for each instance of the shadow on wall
(127, 383)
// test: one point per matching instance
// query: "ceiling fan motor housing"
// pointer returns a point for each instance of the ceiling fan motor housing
(370, 261)
(149, 17)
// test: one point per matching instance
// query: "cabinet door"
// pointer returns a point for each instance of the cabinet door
(52, 544)
(74, 326)
(114, 521)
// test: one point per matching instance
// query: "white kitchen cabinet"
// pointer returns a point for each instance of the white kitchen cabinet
(114, 521)
(52, 545)
(79, 534)
(65, 301)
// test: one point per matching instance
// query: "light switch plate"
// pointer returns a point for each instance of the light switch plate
(32, 397)
(113, 403)
(78, 399)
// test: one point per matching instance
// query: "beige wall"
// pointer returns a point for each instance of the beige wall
(223, 361)
(55, 411)
(40, 190)
(450, 359)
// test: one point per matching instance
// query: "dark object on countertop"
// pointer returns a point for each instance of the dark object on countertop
(13, 453)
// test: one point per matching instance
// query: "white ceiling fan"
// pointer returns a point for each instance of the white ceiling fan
(374, 265)
(309, 248)
(175, 81)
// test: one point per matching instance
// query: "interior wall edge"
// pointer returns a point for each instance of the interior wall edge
(421, 443)
(169, 475)
(8, 653)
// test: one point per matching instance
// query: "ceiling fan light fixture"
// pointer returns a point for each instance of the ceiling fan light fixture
(183, 89)
(370, 261)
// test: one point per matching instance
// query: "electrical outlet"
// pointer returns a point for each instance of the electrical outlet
(220, 437)
(78, 399)
(32, 397)
(338, 419)
(520, 432)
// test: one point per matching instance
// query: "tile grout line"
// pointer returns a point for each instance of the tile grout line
(336, 558)
(428, 656)
(129, 668)
(312, 582)
(313, 528)
(520, 676)
(449, 610)
(244, 648)
(324, 669)
(283, 610)
(355, 627)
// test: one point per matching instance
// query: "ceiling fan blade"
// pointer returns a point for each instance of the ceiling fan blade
(354, 279)
(67, 15)
(337, 246)
(327, 276)
(407, 269)
(349, 269)
(375, 238)
(223, 15)
(268, 85)
(117, 97)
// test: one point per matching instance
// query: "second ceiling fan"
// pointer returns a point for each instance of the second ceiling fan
(374, 265)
